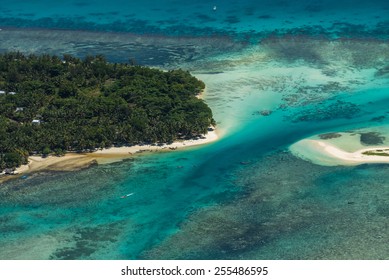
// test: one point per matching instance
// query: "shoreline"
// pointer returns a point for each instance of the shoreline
(78, 161)
(322, 153)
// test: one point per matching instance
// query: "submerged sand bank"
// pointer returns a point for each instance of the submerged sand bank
(77, 161)
(353, 147)
(324, 153)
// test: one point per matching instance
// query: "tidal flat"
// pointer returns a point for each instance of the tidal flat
(245, 196)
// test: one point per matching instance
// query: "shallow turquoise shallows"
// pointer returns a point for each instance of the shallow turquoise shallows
(276, 72)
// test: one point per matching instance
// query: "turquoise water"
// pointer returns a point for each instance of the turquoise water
(240, 18)
(245, 196)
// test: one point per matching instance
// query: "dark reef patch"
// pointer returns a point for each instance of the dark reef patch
(383, 72)
(87, 241)
(371, 138)
(292, 48)
(334, 110)
(378, 119)
(38, 190)
(330, 135)
(117, 47)
(132, 24)
(333, 215)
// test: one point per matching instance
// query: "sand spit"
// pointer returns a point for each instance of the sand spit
(77, 161)
(323, 153)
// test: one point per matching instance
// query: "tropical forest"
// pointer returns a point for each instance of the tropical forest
(53, 105)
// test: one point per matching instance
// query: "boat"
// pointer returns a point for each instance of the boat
(127, 195)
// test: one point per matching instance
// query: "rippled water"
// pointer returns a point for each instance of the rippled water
(244, 196)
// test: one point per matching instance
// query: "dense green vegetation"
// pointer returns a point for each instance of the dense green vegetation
(52, 105)
(376, 153)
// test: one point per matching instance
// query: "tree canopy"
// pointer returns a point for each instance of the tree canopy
(50, 105)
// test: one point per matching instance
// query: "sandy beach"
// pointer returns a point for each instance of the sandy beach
(324, 153)
(77, 161)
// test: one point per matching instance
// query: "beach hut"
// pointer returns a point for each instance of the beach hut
(9, 171)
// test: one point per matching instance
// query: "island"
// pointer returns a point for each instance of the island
(369, 145)
(52, 106)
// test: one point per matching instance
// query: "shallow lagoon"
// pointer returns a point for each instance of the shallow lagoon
(243, 197)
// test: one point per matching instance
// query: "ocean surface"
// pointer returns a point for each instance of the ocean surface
(312, 66)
